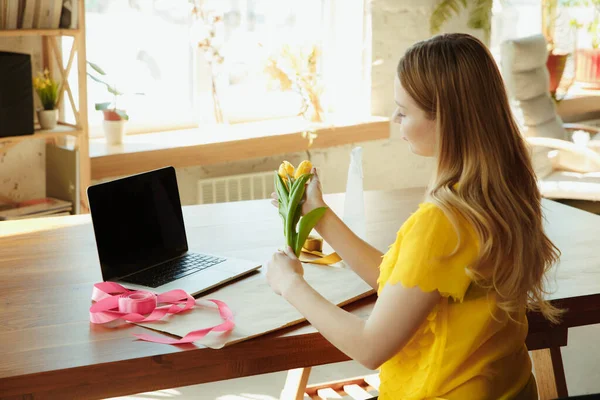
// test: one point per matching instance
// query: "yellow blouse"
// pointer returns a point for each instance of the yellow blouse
(466, 348)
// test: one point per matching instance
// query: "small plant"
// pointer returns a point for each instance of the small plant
(47, 90)
(110, 109)
(296, 69)
(480, 14)
(207, 22)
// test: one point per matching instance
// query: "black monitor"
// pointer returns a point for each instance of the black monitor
(16, 94)
(138, 222)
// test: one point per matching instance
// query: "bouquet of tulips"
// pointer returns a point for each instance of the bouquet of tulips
(290, 185)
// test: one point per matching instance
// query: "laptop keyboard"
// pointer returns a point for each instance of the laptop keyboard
(186, 265)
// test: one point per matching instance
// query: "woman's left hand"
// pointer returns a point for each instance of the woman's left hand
(283, 270)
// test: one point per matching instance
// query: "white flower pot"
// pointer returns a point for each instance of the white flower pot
(47, 118)
(114, 131)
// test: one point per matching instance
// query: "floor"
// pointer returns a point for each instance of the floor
(581, 361)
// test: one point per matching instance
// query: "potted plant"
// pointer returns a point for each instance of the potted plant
(557, 58)
(587, 63)
(114, 117)
(47, 90)
(296, 69)
(209, 39)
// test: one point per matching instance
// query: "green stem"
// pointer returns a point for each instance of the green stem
(296, 193)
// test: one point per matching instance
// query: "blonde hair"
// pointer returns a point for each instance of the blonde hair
(455, 80)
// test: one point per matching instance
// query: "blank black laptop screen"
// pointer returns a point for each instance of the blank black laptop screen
(137, 222)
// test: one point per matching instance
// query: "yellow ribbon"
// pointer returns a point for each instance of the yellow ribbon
(322, 260)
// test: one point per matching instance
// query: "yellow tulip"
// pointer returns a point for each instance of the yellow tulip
(285, 169)
(304, 168)
(47, 82)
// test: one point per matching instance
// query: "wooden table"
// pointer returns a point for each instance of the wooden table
(48, 348)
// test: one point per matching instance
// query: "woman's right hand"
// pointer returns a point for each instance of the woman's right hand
(313, 195)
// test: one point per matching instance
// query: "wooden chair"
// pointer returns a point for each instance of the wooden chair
(358, 388)
(567, 171)
(547, 363)
(544, 345)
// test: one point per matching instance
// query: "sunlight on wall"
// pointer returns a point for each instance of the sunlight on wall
(19, 227)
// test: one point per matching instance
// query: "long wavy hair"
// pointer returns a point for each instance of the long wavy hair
(483, 174)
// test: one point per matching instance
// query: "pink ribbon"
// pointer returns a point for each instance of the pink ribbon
(113, 301)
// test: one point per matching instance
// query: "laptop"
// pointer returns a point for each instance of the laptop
(141, 238)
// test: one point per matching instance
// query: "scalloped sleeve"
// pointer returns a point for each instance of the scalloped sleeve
(425, 258)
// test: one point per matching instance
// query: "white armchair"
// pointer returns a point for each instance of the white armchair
(566, 161)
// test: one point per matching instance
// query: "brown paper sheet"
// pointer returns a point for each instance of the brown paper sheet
(258, 310)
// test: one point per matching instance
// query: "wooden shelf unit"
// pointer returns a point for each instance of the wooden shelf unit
(53, 60)
(38, 32)
(60, 131)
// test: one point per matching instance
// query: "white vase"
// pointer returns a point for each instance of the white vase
(47, 118)
(114, 131)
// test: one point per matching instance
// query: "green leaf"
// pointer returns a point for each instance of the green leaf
(573, 23)
(113, 90)
(296, 194)
(280, 184)
(296, 182)
(110, 89)
(282, 194)
(297, 216)
(102, 106)
(96, 68)
(297, 191)
(282, 220)
(98, 80)
(306, 225)
(481, 15)
(122, 114)
(443, 12)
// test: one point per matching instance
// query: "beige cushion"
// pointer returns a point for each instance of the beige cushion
(571, 185)
(552, 129)
(538, 110)
(524, 54)
(541, 160)
(525, 85)
(575, 162)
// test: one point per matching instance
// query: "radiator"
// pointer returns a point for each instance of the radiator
(255, 186)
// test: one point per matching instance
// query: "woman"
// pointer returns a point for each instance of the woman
(450, 318)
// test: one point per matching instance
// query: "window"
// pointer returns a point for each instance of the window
(144, 47)
(253, 31)
(514, 19)
(150, 46)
